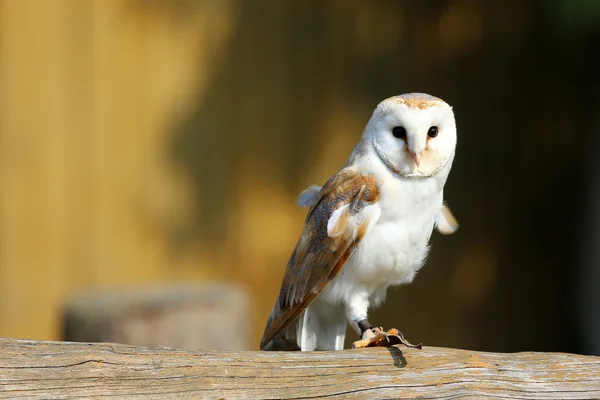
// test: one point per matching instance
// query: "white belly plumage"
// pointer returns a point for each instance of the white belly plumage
(389, 255)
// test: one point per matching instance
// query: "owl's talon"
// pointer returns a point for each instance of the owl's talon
(373, 337)
(376, 337)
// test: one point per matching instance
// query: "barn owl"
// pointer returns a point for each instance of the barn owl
(367, 228)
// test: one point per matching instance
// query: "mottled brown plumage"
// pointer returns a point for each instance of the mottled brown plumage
(318, 257)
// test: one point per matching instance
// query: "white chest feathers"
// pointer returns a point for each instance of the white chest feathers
(395, 248)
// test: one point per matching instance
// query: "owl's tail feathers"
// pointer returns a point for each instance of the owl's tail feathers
(285, 341)
(282, 342)
(321, 326)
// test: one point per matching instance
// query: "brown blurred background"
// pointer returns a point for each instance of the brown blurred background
(149, 143)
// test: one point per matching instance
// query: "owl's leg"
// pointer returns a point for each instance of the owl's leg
(371, 336)
(322, 326)
(356, 312)
(356, 309)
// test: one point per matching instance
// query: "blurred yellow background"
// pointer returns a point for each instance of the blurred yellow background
(145, 142)
(90, 90)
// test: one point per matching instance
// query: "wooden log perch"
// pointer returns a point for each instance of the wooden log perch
(65, 370)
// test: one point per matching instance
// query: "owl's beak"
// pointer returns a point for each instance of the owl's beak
(417, 158)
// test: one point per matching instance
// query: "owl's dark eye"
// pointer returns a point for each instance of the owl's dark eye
(433, 131)
(399, 132)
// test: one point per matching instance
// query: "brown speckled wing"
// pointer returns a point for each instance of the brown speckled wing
(318, 257)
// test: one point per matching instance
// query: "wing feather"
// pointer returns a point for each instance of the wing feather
(308, 197)
(445, 221)
(339, 220)
(335, 224)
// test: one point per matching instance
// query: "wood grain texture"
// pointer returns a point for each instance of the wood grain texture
(63, 370)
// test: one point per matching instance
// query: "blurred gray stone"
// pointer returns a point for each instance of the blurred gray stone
(203, 316)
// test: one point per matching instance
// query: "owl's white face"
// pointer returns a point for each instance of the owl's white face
(414, 134)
